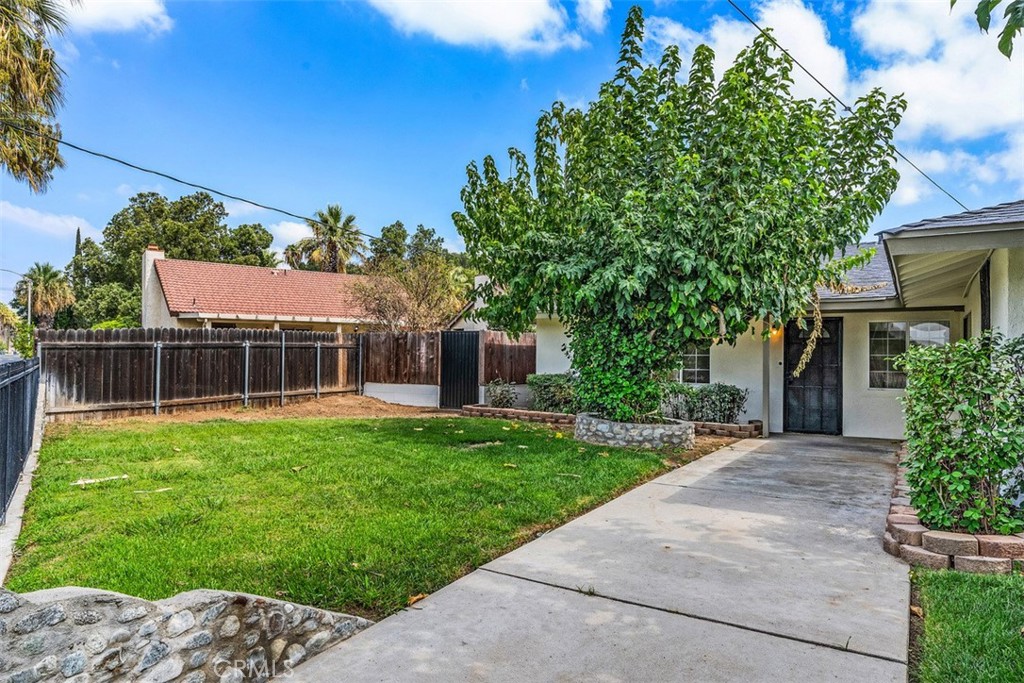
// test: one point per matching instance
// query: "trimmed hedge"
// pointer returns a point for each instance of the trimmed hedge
(553, 393)
(964, 406)
(500, 394)
(704, 402)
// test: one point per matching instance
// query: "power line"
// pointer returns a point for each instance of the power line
(167, 176)
(835, 97)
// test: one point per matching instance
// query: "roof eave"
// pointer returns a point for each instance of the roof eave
(263, 317)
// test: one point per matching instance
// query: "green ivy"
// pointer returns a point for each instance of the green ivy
(964, 408)
(674, 209)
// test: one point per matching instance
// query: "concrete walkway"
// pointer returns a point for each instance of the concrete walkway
(761, 562)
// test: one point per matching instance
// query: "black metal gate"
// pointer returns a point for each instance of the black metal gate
(814, 400)
(19, 388)
(460, 368)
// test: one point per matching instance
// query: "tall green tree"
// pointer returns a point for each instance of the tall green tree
(674, 211)
(389, 248)
(336, 240)
(31, 90)
(51, 292)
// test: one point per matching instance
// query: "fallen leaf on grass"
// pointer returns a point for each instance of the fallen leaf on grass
(510, 464)
(559, 435)
(417, 429)
(917, 611)
(603, 454)
(154, 491)
(522, 446)
(413, 599)
(299, 468)
(176, 449)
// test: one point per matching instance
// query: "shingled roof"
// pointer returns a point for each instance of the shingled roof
(1000, 214)
(876, 274)
(228, 289)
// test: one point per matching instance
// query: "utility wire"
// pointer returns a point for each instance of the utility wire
(167, 176)
(835, 97)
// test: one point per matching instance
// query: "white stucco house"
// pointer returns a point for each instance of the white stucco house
(942, 278)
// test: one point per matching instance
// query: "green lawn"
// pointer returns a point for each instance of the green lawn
(353, 515)
(973, 627)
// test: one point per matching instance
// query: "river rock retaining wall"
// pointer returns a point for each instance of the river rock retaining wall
(906, 538)
(675, 433)
(480, 410)
(81, 635)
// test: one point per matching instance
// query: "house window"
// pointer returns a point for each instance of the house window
(889, 340)
(696, 364)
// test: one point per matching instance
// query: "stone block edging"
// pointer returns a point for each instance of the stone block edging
(736, 431)
(479, 410)
(597, 430)
(914, 543)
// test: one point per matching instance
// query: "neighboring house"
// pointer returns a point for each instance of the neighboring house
(177, 293)
(941, 279)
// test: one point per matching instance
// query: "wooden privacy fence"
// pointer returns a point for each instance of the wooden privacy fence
(93, 372)
(90, 373)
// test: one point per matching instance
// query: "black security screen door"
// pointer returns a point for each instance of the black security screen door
(814, 400)
(460, 369)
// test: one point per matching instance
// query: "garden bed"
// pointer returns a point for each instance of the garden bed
(906, 538)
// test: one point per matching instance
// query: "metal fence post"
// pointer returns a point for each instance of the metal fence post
(282, 367)
(245, 372)
(157, 352)
(318, 369)
(359, 363)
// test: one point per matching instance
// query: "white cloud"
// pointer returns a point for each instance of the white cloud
(114, 16)
(511, 25)
(288, 232)
(238, 209)
(957, 85)
(55, 225)
(593, 14)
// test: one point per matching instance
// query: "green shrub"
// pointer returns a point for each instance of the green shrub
(500, 394)
(25, 340)
(964, 406)
(704, 402)
(553, 393)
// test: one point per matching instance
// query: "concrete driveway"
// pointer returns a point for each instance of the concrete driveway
(761, 562)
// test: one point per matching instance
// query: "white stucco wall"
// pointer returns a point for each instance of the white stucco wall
(1015, 292)
(1000, 288)
(421, 395)
(550, 340)
(741, 365)
(154, 306)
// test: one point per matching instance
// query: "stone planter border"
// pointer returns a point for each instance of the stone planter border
(593, 429)
(914, 543)
(480, 410)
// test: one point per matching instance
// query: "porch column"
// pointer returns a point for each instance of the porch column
(766, 381)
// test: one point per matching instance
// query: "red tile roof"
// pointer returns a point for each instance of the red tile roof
(223, 288)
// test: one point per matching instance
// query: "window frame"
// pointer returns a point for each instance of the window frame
(896, 380)
(698, 373)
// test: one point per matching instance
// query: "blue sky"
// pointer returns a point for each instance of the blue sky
(380, 105)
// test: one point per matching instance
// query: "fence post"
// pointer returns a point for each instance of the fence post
(359, 363)
(282, 367)
(245, 373)
(318, 369)
(157, 349)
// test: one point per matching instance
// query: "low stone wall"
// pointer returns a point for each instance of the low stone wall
(736, 431)
(481, 410)
(79, 635)
(906, 538)
(593, 429)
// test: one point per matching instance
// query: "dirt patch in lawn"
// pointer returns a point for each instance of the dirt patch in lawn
(340, 405)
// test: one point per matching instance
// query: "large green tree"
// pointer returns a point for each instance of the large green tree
(50, 293)
(674, 211)
(30, 90)
(336, 240)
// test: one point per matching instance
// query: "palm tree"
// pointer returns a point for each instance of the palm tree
(51, 292)
(337, 239)
(30, 89)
